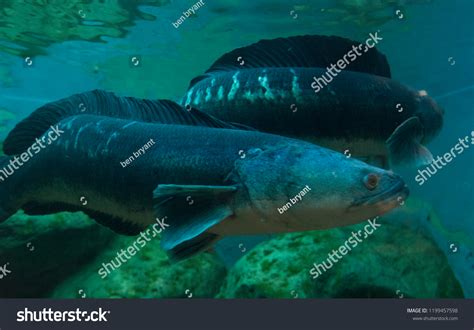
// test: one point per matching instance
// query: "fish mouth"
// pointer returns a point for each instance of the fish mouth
(397, 192)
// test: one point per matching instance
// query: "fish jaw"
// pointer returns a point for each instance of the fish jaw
(381, 203)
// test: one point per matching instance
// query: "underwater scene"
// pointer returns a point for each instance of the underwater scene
(236, 149)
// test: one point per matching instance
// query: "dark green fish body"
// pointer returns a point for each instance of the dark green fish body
(206, 182)
(101, 144)
(277, 90)
(263, 98)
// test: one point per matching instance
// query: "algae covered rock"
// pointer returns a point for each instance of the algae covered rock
(41, 251)
(147, 274)
(60, 255)
(393, 261)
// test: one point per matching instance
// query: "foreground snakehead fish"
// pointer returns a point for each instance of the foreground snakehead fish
(237, 179)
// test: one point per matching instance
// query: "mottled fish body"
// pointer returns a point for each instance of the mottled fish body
(361, 108)
(263, 98)
(235, 178)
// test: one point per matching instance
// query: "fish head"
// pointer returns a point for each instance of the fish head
(306, 187)
(430, 114)
(347, 191)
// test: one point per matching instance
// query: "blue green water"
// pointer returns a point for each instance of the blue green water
(136, 51)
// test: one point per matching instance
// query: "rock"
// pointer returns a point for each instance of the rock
(59, 256)
(44, 250)
(231, 248)
(147, 274)
(393, 261)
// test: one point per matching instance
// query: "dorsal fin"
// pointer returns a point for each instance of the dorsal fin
(300, 51)
(98, 102)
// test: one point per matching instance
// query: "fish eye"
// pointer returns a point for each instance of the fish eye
(371, 181)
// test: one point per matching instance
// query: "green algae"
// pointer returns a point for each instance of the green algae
(148, 274)
(59, 255)
(42, 251)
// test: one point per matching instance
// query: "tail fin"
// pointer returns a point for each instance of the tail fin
(6, 210)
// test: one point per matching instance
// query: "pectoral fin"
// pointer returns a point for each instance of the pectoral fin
(190, 211)
(404, 144)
